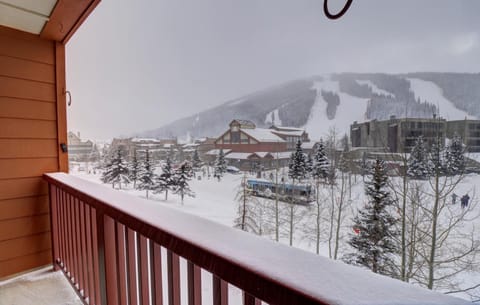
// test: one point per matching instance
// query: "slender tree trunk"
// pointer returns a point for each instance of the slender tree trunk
(147, 194)
(404, 242)
(339, 218)
(166, 194)
(431, 261)
(291, 224)
(318, 219)
(291, 213)
(277, 226)
(332, 216)
(244, 212)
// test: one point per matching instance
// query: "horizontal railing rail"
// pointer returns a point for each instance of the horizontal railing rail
(119, 249)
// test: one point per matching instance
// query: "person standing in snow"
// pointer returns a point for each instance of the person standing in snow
(454, 198)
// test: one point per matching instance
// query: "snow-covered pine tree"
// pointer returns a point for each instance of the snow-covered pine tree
(455, 158)
(116, 171)
(181, 176)
(134, 169)
(247, 212)
(146, 176)
(297, 167)
(437, 157)
(220, 165)
(417, 163)
(164, 181)
(196, 161)
(375, 243)
(107, 169)
(309, 166)
(321, 164)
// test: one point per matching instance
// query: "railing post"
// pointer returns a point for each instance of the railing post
(101, 256)
(54, 224)
(220, 291)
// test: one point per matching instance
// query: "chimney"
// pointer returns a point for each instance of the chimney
(78, 134)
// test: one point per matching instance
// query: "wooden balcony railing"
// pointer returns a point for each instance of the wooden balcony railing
(115, 248)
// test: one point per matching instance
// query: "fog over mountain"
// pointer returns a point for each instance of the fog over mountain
(336, 100)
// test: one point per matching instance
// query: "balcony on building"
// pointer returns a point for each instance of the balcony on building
(106, 247)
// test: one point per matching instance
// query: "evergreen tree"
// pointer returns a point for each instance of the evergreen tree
(375, 243)
(116, 170)
(321, 164)
(220, 165)
(297, 167)
(164, 181)
(106, 166)
(146, 176)
(196, 161)
(134, 169)
(181, 177)
(437, 157)
(247, 213)
(309, 166)
(417, 163)
(455, 159)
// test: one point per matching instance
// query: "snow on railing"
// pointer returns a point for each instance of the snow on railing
(119, 249)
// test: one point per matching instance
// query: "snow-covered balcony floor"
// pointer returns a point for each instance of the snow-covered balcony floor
(41, 287)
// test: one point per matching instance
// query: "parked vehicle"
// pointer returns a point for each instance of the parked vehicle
(291, 193)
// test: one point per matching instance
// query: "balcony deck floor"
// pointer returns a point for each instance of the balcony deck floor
(41, 287)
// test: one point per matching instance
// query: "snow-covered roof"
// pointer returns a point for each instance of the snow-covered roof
(308, 145)
(295, 133)
(282, 154)
(238, 155)
(215, 152)
(288, 128)
(146, 140)
(191, 145)
(263, 135)
(262, 154)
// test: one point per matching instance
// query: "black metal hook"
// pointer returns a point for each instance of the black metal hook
(339, 14)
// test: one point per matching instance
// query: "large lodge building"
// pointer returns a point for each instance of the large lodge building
(249, 147)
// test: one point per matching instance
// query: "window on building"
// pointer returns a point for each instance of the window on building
(235, 137)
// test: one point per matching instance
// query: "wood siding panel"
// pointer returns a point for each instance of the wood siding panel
(27, 129)
(26, 46)
(20, 264)
(23, 168)
(27, 109)
(23, 207)
(24, 246)
(32, 80)
(26, 89)
(25, 226)
(25, 69)
(25, 187)
(27, 148)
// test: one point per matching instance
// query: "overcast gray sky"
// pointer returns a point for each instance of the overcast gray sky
(137, 65)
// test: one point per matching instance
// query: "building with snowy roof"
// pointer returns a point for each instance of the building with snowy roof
(397, 134)
(244, 136)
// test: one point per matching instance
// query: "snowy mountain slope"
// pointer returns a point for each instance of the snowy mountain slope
(374, 88)
(321, 102)
(350, 109)
(430, 92)
(273, 118)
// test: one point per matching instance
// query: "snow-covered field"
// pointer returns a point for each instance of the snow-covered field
(215, 201)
